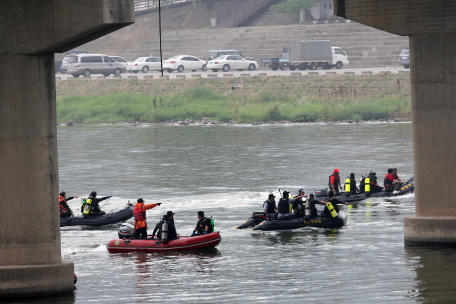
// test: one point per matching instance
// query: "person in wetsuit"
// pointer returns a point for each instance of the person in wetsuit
(353, 188)
(313, 202)
(270, 208)
(203, 226)
(334, 181)
(284, 208)
(172, 234)
(65, 210)
(91, 206)
(334, 201)
(298, 204)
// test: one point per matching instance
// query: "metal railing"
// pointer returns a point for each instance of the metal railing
(238, 11)
(141, 5)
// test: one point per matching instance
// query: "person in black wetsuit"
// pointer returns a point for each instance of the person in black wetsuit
(172, 234)
(313, 202)
(203, 226)
(270, 208)
(65, 210)
(353, 188)
(91, 206)
(334, 201)
(298, 204)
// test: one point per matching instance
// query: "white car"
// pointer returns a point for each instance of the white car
(120, 60)
(144, 64)
(235, 62)
(184, 62)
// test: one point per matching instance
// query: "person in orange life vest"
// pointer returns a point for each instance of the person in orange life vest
(139, 214)
(334, 181)
(65, 210)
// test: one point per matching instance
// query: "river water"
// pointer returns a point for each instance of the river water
(227, 171)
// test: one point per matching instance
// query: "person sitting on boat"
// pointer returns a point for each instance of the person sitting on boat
(389, 182)
(334, 201)
(298, 204)
(139, 213)
(312, 203)
(270, 208)
(160, 228)
(91, 207)
(204, 225)
(284, 207)
(353, 188)
(334, 181)
(373, 182)
(396, 177)
(65, 210)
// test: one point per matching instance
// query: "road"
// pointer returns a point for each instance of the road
(188, 74)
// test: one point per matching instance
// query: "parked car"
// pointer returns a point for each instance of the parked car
(120, 60)
(227, 62)
(218, 53)
(184, 62)
(87, 64)
(58, 64)
(144, 64)
(404, 58)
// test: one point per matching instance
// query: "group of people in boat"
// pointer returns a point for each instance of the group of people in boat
(166, 224)
(90, 206)
(286, 209)
(391, 182)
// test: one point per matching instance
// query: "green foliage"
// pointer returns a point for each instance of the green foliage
(293, 6)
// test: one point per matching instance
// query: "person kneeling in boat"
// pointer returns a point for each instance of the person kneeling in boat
(165, 229)
(204, 225)
(139, 213)
(353, 188)
(389, 182)
(90, 206)
(65, 210)
(334, 201)
(284, 207)
(270, 208)
(312, 202)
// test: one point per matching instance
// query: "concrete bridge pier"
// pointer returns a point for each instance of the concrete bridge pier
(30, 32)
(431, 25)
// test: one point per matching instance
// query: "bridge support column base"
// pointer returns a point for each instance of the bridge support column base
(430, 230)
(36, 280)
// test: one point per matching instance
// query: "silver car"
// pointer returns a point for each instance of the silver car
(88, 64)
(404, 58)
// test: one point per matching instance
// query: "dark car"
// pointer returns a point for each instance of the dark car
(404, 58)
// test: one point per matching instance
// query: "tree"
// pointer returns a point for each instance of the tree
(294, 6)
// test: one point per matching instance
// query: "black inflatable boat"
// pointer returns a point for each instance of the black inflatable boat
(110, 217)
(318, 222)
(407, 187)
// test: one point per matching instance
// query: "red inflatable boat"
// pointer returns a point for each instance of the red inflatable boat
(155, 245)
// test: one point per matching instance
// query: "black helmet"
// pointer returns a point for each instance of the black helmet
(165, 216)
(93, 194)
(352, 175)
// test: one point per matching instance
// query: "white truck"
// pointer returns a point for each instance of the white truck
(309, 54)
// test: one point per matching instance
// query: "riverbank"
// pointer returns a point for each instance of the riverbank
(244, 100)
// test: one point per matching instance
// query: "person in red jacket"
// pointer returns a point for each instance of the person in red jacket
(334, 181)
(65, 210)
(139, 214)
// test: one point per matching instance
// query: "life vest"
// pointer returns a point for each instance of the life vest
(62, 206)
(87, 206)
(271, 207)
(337, 181)
(386, 182)
(139, 214)
(283, 206)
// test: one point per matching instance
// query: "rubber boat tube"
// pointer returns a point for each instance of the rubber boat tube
(318, 222)
(110, 217)
(209, 240)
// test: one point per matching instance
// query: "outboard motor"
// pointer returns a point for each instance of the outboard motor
(126, 231)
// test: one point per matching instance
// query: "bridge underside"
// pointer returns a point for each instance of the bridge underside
(431, 25)
(31, 31)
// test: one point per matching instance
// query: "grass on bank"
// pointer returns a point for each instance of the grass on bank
(199, 102)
